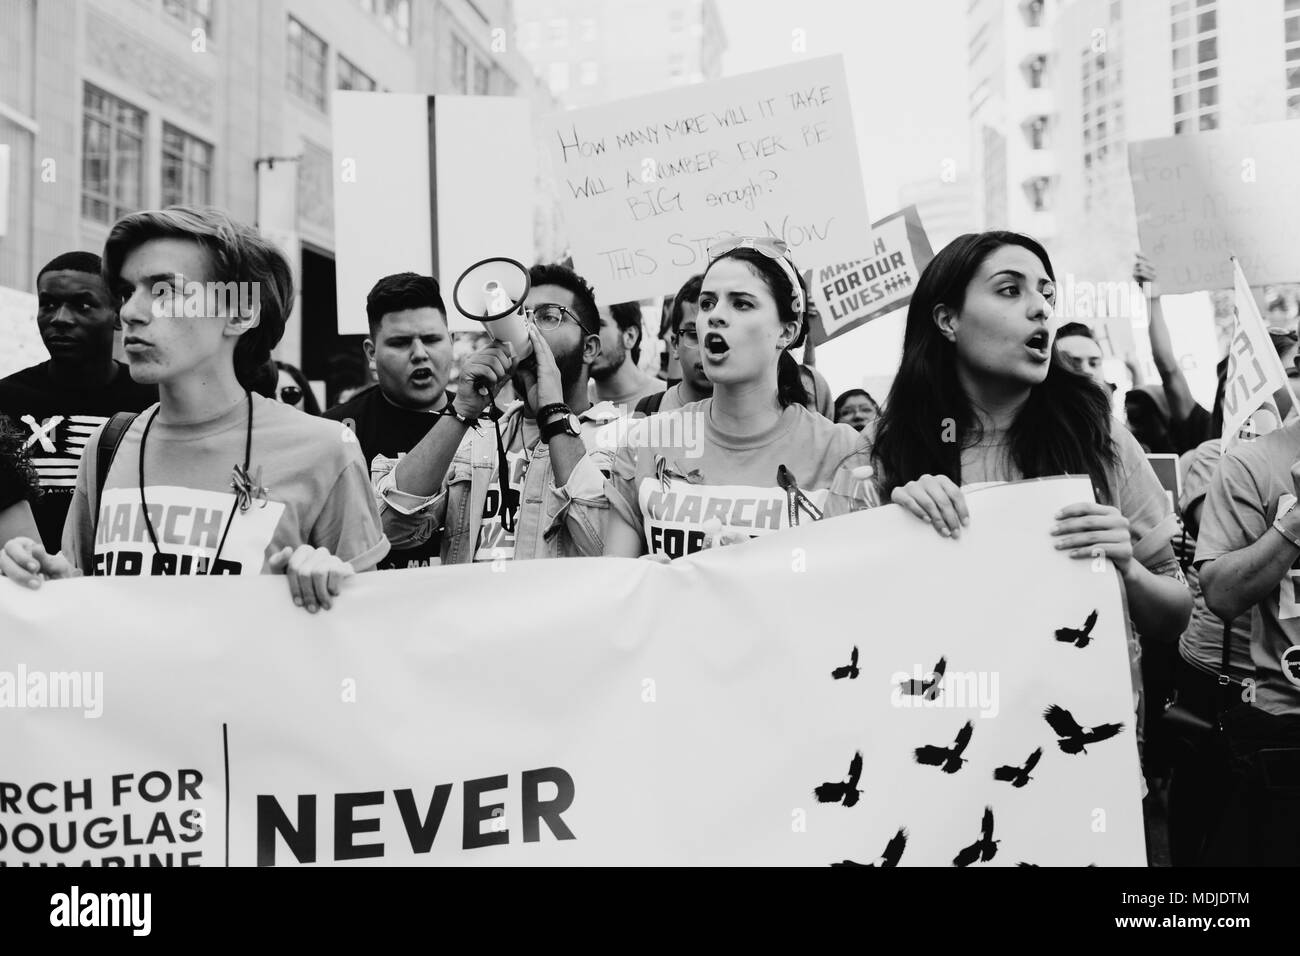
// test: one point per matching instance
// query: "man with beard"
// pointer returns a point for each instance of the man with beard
(531, 484)
(410, 350)
(616, 376)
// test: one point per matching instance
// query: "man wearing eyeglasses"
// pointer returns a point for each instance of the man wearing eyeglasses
(531, 484)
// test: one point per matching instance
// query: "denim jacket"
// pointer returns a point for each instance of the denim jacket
(551, 522)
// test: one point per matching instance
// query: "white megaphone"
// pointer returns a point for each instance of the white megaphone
(493, 292)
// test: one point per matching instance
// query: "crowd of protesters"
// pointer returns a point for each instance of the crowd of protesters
(111, 468)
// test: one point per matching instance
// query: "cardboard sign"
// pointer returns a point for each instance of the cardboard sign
(427, 184)
(1203, 198)
(853, 293)
(647, 184)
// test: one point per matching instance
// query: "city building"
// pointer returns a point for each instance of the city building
(592, 51)
(108, 106)
(946, 206)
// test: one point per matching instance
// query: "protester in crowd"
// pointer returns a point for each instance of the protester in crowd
(815, 385)
(292, 388)
(684, 344)
(297, 501)
(977, 399)
(61, 401)
(616, 377)
(856, 408)
(18, 485)
(1199, 781)
(1146, 410)
(1188, 423)
(1248, 547)
(410, 350)
(530, 485)
(752, 450)
(346, 375)
(1076, 347)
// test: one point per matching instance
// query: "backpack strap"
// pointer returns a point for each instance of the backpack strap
(651, 403)
(109, 439)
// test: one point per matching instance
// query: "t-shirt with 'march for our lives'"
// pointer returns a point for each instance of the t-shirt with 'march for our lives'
(316, 492)
(677, 472)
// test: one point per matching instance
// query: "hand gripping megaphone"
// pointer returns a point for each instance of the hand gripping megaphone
(493, 291)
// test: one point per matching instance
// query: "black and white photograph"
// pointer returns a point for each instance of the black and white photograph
(650, 433)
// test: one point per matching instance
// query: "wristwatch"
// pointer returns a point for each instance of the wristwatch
(1282, 530)
(450, 412)
(564, 425)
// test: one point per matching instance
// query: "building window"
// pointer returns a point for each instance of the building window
(1036, 67)
(1292, 67)
(351, 78)
(558, 31)
(482, 78)
(557, 78)
(191, 14)
(306, 66)
(587, 30)
(395, 15)
(186, 169)
(1195, 56)
(1037, 187)
(1036, 131)
(459, 66)
(531, 37)
(112, 156)
(588, 73)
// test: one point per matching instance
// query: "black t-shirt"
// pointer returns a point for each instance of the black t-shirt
(383, 428)
(17, 480)
(55, 420)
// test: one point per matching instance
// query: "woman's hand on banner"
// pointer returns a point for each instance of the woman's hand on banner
(1088, 528)
(936, 499)
(314, 574)
(26, 562)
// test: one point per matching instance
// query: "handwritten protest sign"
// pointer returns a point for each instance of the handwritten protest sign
(1203, 198)
(853, 293)
(648, 183)
(404, 726)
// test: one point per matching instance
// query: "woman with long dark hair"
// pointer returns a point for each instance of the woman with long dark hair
(748, 459)
(977, 399)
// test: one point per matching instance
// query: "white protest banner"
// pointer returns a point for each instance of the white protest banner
(1203, 198)
(20, 339)
(747, 705)
(1256, 379)
(646, 184)
(853, 293)
(427, 184)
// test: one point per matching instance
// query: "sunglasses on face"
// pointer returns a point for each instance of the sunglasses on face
(548, 316)
(291, 394)
(775, 249)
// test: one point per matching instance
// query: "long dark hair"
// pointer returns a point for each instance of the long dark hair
(789, 383)
(1064, 427)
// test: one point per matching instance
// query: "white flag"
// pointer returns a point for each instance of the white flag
(1255, 373)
